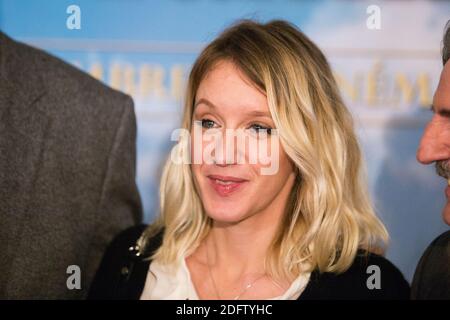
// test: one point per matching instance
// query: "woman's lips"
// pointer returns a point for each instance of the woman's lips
(226, 189)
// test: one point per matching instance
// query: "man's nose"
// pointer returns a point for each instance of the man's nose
(431, 148)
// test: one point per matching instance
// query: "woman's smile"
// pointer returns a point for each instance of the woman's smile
(226, 188)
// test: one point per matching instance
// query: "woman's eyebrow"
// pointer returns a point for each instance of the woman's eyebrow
(256, 113)
(205, 101)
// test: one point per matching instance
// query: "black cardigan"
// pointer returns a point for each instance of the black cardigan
(122, 274)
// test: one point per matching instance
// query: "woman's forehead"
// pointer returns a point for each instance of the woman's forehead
(227, 86)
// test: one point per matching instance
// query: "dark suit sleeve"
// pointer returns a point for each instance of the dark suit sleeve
(120, 204)
(432, 275)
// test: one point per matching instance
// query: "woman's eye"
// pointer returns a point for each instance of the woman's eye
(206, 123)
(259, 128)
(209, 124)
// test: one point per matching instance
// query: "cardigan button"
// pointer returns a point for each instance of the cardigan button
(124, 271)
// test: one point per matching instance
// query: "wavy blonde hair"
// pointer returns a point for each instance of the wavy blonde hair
(329, 216)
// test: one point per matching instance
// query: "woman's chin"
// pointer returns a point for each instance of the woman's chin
(226, 217)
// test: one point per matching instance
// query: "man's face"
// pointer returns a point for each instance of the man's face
(435, 143)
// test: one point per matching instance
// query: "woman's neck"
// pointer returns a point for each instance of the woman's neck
(240, 248)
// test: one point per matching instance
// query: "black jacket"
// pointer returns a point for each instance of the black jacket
(122, 275)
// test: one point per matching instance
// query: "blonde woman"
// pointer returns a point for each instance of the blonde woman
(298, 226)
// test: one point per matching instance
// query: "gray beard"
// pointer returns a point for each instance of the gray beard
(442, 168)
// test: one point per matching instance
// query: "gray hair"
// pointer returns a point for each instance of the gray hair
(446, 44)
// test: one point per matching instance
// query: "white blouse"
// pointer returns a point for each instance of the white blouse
(161, 285)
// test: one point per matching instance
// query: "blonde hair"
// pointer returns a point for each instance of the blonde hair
(329, 216)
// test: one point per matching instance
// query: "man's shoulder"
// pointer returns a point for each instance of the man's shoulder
(432, 275)
(442, 240)
(437, 250)
(370, 276)
(60, 78)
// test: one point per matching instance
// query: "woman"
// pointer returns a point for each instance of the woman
(299, 226)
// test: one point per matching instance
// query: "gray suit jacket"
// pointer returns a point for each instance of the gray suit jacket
(67, 172)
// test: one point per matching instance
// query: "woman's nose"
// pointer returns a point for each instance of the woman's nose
(227, 149)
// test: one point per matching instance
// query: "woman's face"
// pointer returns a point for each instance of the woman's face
(226, 99)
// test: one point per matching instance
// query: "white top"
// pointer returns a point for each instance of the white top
(161, 285)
